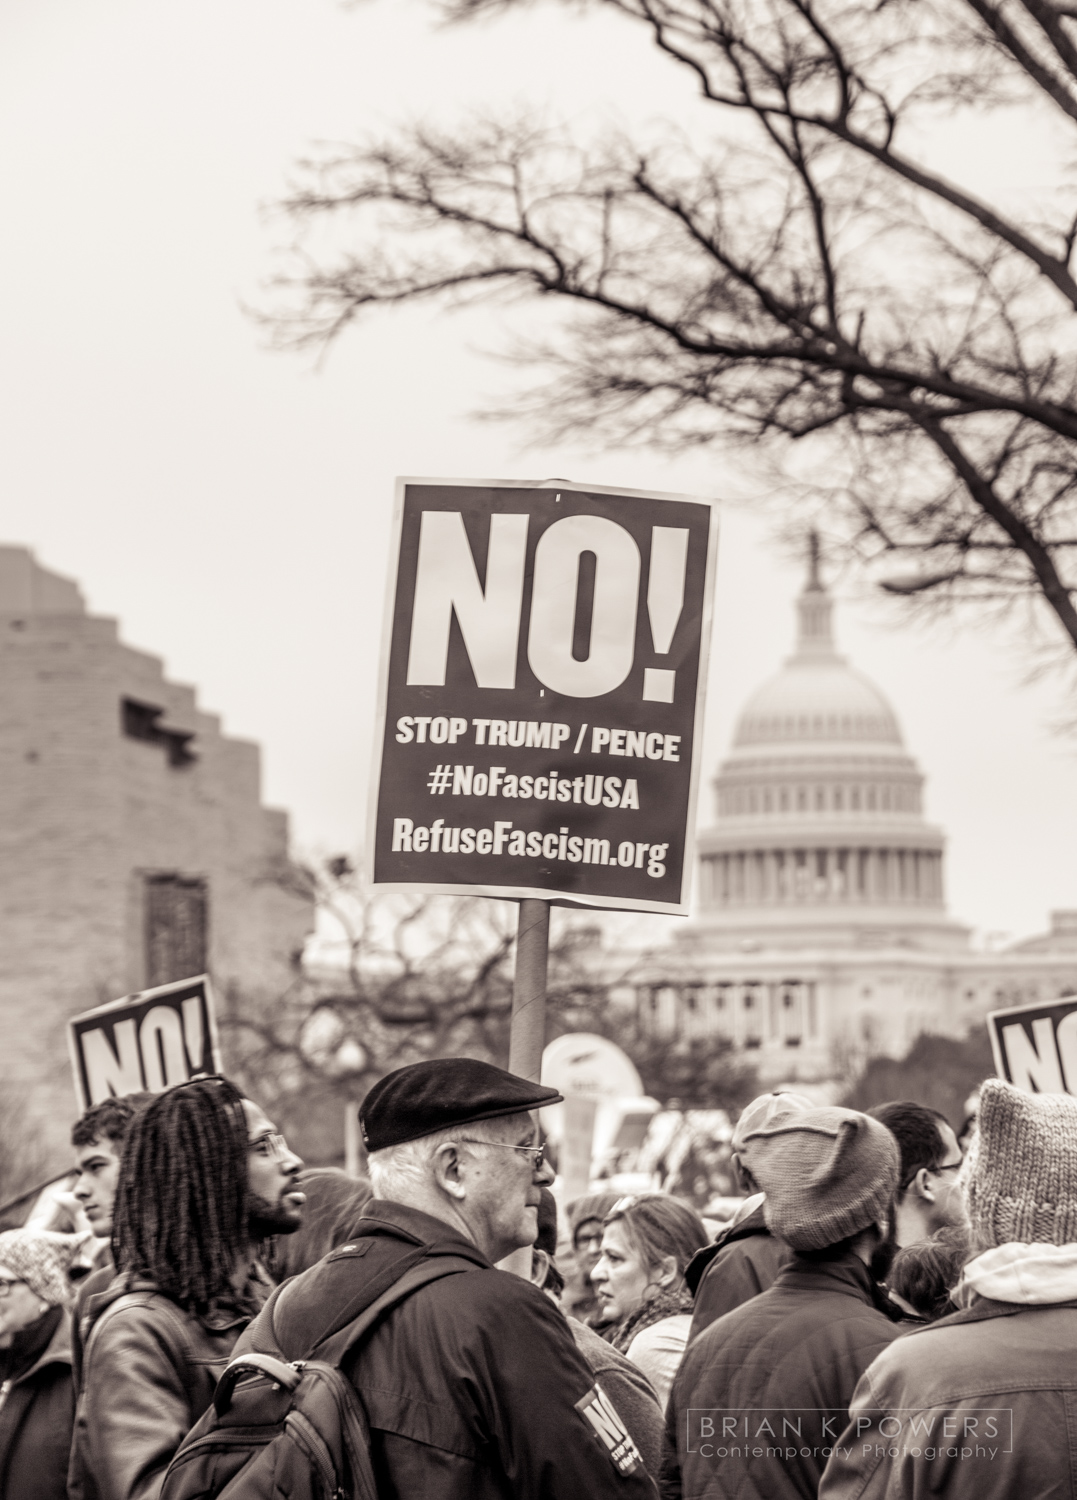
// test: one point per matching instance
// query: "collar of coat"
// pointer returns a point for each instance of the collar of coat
(753, 1223)
(383, 1217)
(846, 1274)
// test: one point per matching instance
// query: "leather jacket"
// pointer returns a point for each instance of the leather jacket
(149, 1372)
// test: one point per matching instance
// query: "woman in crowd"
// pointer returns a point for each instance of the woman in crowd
(37, 1404)
(585, 1217)
(646, 1243)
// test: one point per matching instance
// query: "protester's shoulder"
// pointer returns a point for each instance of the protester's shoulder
(668, 1335)
(958, 1342)
(487, 1295)
(125, 1309)
(602, 1356)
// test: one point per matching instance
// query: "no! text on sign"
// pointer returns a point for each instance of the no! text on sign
(1035, 1046)
(144, 1042)
(541, 700)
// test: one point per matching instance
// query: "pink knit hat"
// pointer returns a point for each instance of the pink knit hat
(1021, 1171)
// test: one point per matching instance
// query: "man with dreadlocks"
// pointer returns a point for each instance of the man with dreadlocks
(203, 1178)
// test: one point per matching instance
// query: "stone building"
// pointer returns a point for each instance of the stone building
(134, 848)
(822, 936)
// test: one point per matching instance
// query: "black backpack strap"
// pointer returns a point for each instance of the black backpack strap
(335, 1346)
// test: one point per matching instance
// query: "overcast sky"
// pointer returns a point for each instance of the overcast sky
(231, 506)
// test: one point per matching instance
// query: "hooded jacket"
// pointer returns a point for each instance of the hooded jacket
(473, 1385)
(36, 1412)
(764, 1392)
(981, 1405)
(743, 1261)
(149, 1370)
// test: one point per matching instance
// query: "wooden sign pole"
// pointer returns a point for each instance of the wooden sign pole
(527, 1036)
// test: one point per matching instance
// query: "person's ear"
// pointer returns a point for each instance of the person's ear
(744, 1178)
(921, 1184)
(540, 1265)
(447, 1172)
(666, 1271)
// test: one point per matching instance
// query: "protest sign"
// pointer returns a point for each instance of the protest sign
(541, 699)
(1035, 1046)
(147, 1041)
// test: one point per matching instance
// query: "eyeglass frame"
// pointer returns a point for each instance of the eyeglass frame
(946, 1166)
(278, 1146)
(7, 1282)
(538, 1152)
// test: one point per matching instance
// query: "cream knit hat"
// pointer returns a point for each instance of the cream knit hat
(1021, 1170)
(42, 1258)
(827, 1174)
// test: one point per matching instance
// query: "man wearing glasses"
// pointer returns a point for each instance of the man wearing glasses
(203, 1178)
(473, 1385)
(928, 1197)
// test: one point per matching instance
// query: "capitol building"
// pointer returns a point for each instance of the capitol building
(822, 937)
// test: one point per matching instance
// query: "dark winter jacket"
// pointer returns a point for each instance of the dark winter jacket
(981, 1405)
(763, 1393)
(36, 1411)
(743, 1261)
(149, 1370)
(472, 1385)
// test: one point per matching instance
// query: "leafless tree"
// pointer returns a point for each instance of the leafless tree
(405, 978)
(793, 271)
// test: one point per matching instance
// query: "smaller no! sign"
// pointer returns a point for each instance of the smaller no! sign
(1035, 1046)
(144, 1043)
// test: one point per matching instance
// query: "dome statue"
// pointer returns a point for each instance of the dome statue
(820, 838)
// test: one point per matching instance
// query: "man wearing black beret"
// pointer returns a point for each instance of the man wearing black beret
(473, 1385)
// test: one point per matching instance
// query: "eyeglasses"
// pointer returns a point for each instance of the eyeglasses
(272, 1145)
(6, 1283)
(949, 1166)
(536, 1153)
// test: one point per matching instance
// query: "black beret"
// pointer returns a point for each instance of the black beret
(436, 1095)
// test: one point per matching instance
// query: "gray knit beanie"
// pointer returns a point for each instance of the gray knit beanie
(763, 1111)
(827, 1174)
(42, 1258)
(1021, 1171)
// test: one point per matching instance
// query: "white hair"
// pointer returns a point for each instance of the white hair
(396, 1171)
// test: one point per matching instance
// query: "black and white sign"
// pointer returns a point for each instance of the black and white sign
(541, 700)
(145, 1042)
(1035, 1046)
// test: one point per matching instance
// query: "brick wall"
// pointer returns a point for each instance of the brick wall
(87, 813)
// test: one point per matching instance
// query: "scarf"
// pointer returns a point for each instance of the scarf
(28, 1345)
(664, 1304)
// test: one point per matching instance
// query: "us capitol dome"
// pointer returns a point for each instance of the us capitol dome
(822, 936)
(820, 836)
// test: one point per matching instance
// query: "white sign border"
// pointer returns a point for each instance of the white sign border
(681, 908)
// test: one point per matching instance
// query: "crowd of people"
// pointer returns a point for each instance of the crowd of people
(886, 1315)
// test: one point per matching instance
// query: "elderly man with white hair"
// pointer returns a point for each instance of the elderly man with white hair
(473, 1385)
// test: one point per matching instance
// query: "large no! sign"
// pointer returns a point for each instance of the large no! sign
(541, 697)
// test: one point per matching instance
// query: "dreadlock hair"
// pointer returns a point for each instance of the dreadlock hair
(181, 1209)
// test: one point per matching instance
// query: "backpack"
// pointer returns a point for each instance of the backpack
(280, 1430)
